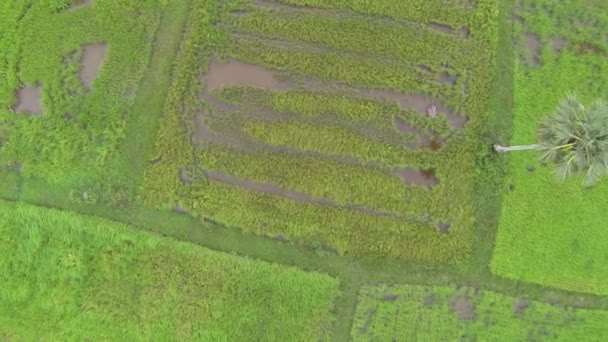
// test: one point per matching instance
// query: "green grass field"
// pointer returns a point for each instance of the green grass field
(254, 169)
(74, 277)
(439, 313)
(551, 233)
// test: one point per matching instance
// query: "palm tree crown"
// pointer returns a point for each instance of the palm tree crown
(574, 139)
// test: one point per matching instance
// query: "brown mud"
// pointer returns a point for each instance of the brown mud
(29, 101)
(533, 49)
(463, 307)
(93, 56)
(419, 177)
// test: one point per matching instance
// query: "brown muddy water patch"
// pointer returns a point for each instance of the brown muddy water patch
(432, 142)
(533, 49)
(443, 227)
(520, 306)
(420, 103)
(202, 132)
(419, 177)
(266, 188)
(93, 56)
(237, 73)
(463, 306)
(464, 32)
(448, 78)
(29, 101)
(80, 4)
(557, 44)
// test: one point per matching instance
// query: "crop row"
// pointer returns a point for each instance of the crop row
(413, 44)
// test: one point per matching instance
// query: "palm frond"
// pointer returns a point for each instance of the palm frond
(563, 170)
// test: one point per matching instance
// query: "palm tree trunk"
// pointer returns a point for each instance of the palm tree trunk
(503, 149)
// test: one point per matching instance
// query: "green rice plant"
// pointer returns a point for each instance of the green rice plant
(72, 277)
(455, 13)
(331, 66)
(412, 44)
(172, 149)
(349, 232)
(318, 177)
(314, 104)
(441, 313)
(329, 140)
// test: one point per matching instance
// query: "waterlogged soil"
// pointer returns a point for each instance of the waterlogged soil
(81, 3)
(418, 177)
(29, 101)
(419, 103)
(533, 48)
(93, 56)
(463, 307)
(464, 32)
(557, 44)
(236, 73)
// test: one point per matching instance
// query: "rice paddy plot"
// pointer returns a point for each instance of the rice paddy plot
(442, 313)
(551, 233)
(71, 277)
(292, 131)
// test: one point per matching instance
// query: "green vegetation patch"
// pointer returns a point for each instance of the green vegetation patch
(440, 313)
(553, 233)
(69, 277)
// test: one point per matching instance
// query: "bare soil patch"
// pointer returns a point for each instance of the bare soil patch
(447, 78)
(464, 32)
(419, 177)
(81, 3)
(444, 227)
(184, 177)
(389, 297)
(429, 300)
(266, 188)
(29, 101)
(368, 320)
(93, 56)
(533, 48)
(520, 306)
(463, 307)
(558, 43)
(18, 167)
(403, 127)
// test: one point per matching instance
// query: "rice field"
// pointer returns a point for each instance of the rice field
(441, 313)
(289, 128)
(550, 233)
(271, 170)
(71, 277)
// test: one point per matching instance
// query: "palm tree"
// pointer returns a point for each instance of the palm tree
(574, 139)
